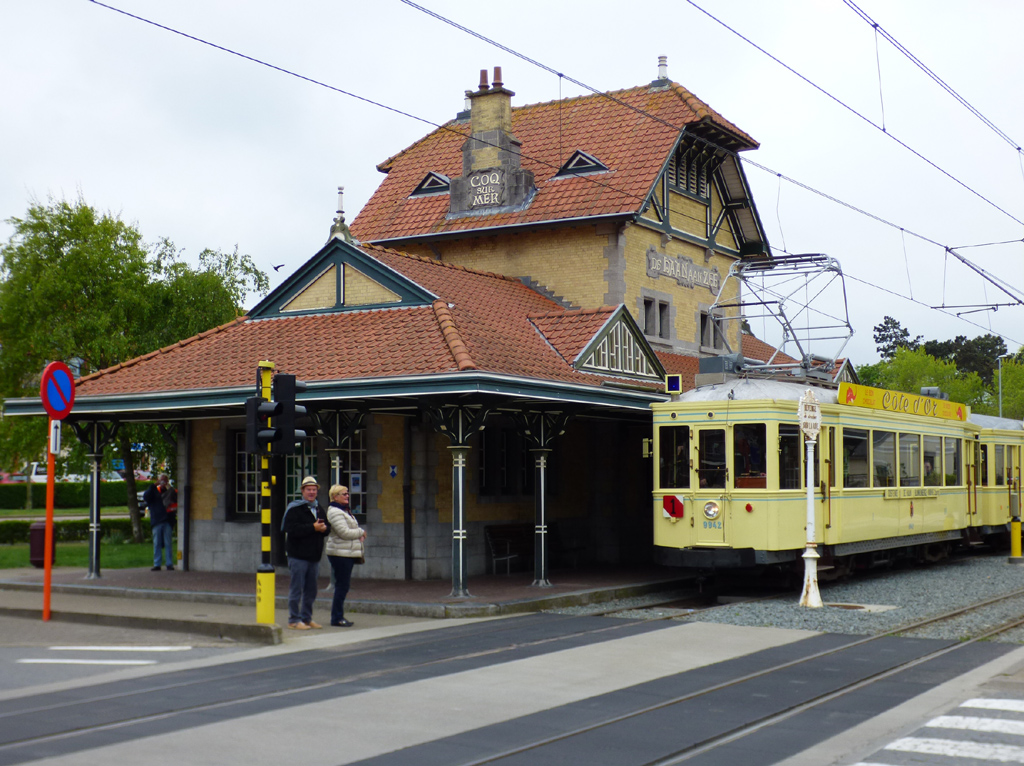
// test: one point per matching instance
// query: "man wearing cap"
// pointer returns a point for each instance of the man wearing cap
(305, 524)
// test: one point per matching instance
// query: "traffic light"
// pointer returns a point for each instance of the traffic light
(285, 388)
(258, 432)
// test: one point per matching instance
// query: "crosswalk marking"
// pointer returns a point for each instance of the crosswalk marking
(959, 749)
(33, 661)
(120, 648)
(1013, 706)
(974, 723)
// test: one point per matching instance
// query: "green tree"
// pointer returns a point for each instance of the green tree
(82, 287)
(911, 370)
(978, 355)
(890, 335)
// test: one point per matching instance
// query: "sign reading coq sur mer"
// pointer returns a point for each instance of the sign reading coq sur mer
(897, 401)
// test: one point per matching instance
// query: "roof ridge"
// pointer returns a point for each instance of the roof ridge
(385, 166)
(452, 336)
(436, 262)
(136, 360)
(572, 312)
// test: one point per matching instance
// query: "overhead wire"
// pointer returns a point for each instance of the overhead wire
(854, 112)
(591, 179)
(924, 68)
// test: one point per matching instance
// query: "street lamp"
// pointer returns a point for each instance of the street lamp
(1001, 383)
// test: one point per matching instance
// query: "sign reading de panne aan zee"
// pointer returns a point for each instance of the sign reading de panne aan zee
(488, 189)
(855, 395)
(682, 270)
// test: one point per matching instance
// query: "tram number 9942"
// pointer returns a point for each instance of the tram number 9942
(712, 525)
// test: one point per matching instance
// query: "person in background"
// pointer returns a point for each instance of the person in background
(344, 549)
(305, 523)
(160, 522)
(932, 478)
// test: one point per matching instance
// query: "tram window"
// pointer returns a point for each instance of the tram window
(883, 456)
(674, 456)
(983, 466)
(954, 466)
(790, 453)
(910, 460)
(711, 457)
(1000, 470)
(932, 461)
(748, 459)
(855, 457)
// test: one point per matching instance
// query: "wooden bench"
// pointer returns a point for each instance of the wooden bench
(508, 543)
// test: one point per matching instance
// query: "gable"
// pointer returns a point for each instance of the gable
(341, 277)
(620, 349)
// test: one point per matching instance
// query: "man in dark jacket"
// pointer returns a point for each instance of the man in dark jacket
(305, 524)
(159, 522)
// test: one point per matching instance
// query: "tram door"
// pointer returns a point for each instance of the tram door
(712, 474)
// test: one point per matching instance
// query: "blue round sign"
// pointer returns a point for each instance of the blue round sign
(57, 390)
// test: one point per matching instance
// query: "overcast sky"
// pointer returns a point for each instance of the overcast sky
(212, 150)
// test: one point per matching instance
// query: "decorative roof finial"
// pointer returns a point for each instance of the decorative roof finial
(662, 67)
(339, 230)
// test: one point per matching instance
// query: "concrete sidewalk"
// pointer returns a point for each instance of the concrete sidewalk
(224, 604)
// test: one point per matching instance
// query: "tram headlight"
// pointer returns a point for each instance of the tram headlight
(711, 510)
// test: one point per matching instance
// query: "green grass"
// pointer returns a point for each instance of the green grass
(59, 513)
(113, 555)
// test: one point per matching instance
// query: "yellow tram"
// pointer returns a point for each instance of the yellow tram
(895, 475)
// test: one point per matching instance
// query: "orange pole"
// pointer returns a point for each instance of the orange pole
(48, 540)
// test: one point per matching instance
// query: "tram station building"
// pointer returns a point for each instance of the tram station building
(481, 347)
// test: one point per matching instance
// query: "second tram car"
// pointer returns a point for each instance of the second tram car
(895, 474)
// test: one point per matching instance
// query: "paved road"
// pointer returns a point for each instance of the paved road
(533, 689)
(34, 653)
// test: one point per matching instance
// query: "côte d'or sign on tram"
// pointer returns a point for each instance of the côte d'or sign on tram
(895, 475)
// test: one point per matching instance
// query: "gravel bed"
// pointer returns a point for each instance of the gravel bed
(900, 597)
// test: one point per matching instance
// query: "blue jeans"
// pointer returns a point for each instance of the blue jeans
(162, 541)
(302, 589)
(342, 568)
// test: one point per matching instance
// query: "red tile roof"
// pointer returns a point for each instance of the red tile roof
(678, 364)
(754, 348)
(632, 144)
(481, 321)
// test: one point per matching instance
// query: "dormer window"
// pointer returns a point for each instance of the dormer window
(581, 163)
(434, 183)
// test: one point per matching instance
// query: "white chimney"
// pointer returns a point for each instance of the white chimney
(662, 67)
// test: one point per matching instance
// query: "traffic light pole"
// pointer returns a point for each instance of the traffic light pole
(266, 587)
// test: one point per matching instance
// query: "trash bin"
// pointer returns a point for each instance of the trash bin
(37, 544)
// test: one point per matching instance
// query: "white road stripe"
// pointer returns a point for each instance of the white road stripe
(974, 723)
(86, 662)
(120, 648)
(1015, 706)
(959, 749)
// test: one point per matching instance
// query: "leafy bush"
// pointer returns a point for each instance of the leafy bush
(68, 494)
(71, 530)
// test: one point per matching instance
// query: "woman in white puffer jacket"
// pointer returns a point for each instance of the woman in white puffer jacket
(344, 548)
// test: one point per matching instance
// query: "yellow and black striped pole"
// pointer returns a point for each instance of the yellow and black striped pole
(266, 587)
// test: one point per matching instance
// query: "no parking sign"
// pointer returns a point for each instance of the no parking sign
(57, 390)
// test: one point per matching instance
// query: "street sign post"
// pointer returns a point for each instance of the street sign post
(57, 390)
(810, 424)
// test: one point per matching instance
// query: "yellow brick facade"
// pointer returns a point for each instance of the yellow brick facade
(390, 446)
(360, 290)
(322, 293)
(570, 262)
(204, 472)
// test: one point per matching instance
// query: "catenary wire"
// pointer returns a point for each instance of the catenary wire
(854, 112)
(570, 79)
(924, 68)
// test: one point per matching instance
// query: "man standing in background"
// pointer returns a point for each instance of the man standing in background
(159, 522)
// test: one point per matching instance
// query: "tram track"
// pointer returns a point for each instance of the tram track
(735, 734)
(451, 658)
